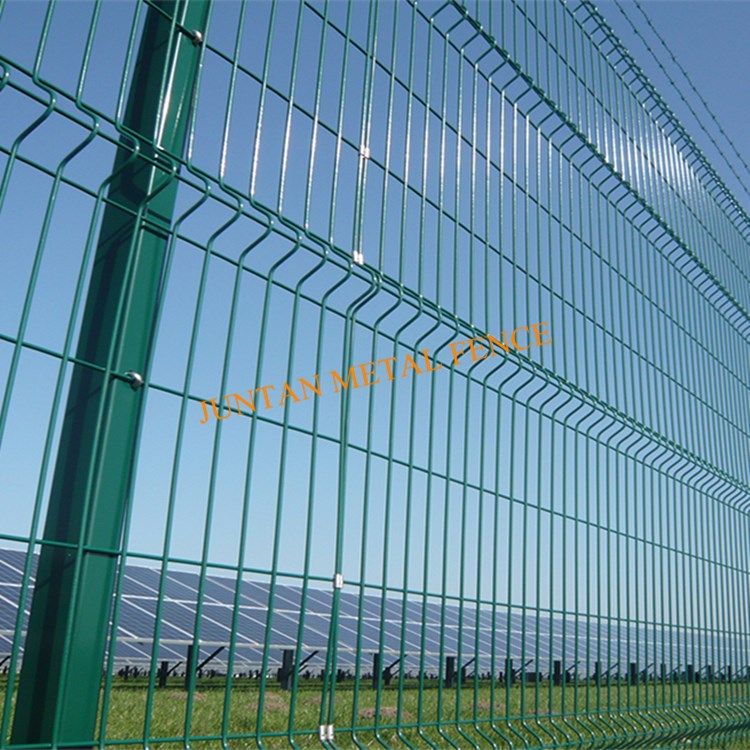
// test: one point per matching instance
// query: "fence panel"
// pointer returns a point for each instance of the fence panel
(372, 374)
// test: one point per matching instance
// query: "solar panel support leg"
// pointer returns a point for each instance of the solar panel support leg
(633, 673)
(287, 669)
(189, 664)
(557, 677)
(376, 659)
(450, 670)
(163, 672)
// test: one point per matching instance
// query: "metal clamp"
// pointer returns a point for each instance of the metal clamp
(325, 732)
(135, 378)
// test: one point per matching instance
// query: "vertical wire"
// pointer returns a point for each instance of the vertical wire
(64, 357)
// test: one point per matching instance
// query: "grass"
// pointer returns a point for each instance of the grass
(660, 716)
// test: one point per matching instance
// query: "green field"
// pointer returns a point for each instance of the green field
(653, 715)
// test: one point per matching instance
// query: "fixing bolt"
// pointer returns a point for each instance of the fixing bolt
(136, 379)
(197, 37)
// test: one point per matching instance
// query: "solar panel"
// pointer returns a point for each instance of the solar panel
(9, 574)
(132, 588)
(421, 632)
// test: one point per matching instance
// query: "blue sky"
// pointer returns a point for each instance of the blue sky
(709, 40)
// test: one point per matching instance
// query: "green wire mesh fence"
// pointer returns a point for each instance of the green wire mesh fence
(373, 374)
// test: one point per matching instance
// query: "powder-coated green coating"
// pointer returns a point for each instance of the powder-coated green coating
(544, 548)
(59, 685)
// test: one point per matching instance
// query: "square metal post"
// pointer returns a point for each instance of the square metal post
(66, 641)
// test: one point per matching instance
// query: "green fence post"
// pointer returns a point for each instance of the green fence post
(60, 682)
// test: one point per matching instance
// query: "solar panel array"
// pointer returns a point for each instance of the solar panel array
(443, 627)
